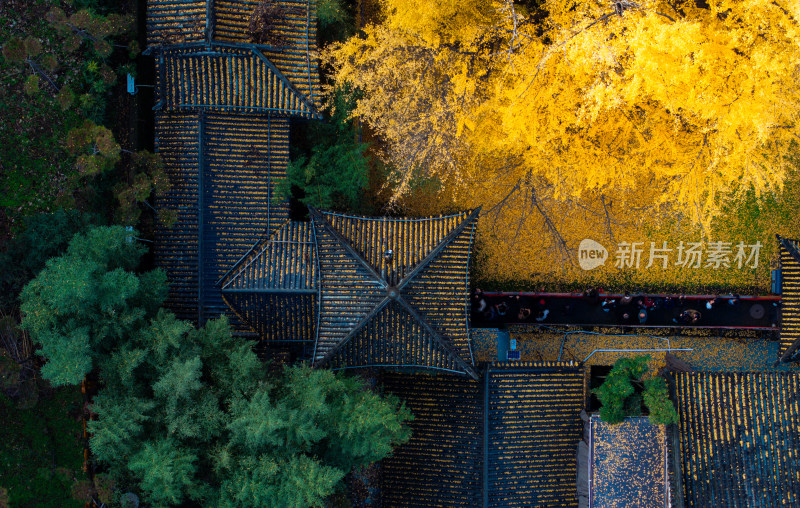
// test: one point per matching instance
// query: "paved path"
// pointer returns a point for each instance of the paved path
(491, 310)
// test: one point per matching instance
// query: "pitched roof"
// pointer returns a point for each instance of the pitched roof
(441, 463)
(224, 171)
(218, 24)
(176, 248)
(224, 77)
(628, 463)
(273, 287)
(739, 435)
(407, 310)
(297, 57)
(506, 441)
(790, 299)
(534, 427)
(176, 21)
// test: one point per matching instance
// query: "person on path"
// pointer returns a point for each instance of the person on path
(688, 317)
(592, 295)
(608, 304)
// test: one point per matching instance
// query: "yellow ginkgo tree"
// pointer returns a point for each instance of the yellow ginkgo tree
(592, 111)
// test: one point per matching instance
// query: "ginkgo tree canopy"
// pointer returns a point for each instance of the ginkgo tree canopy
(693, 103)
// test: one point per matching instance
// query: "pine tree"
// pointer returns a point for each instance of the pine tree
(189, 414)
(85, 302)
(167, 471)
(617, 394)
(656, 398)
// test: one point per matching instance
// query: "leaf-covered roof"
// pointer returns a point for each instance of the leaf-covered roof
(534, 426)
(508, 440)
(226, 78)
(394, 291)
(738, 438)
(273, 287)
(441, 464)
(206, 57)
(790, 299)
(628, 463)
(223, 171)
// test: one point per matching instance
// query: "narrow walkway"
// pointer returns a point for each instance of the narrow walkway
(492, 310)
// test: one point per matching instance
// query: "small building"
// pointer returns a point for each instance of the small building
(224, 102)
(627, 464)
(394, 291)
(506, 441)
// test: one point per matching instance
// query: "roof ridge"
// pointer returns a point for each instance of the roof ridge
(434, 253)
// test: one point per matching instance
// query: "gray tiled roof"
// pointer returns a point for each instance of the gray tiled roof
(408, 310)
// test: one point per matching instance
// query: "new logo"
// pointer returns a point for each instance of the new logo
(591, 254)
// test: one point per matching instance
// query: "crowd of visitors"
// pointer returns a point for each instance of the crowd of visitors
(593, 306)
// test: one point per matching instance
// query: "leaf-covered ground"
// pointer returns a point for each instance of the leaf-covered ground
(40, 450)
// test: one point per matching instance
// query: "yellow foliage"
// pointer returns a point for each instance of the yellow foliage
(665, 109)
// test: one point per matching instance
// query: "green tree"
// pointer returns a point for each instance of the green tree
(191, 415)
(166, 470)
(193, 411)
(617, 394)
(334, 174)
(43, 236)
(622, 393)
(297, 482)
(86, 302)
(656, 398)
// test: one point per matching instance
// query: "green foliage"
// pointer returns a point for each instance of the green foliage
(623, 393)
(299, 481)
(56, 75)
(334, 20)
(40, 454)
(147, 178)
(87, 301)
(330, 12)
(43, 236)
(191, 415)
(656, 398)
(167, 470)
(617, 393)
(276, 435)
(334, 174)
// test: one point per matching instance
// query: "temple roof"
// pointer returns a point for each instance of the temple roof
(533, 427)
(227, 78)
(207, 58)
(790, 299)
(224, 170)
(394, 291)
(273, 287)
(738, 438)
(508, 440)
(628, 463)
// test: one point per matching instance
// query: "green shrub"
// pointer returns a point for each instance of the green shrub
(623, 393)
(14, 50)
(32, 85)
